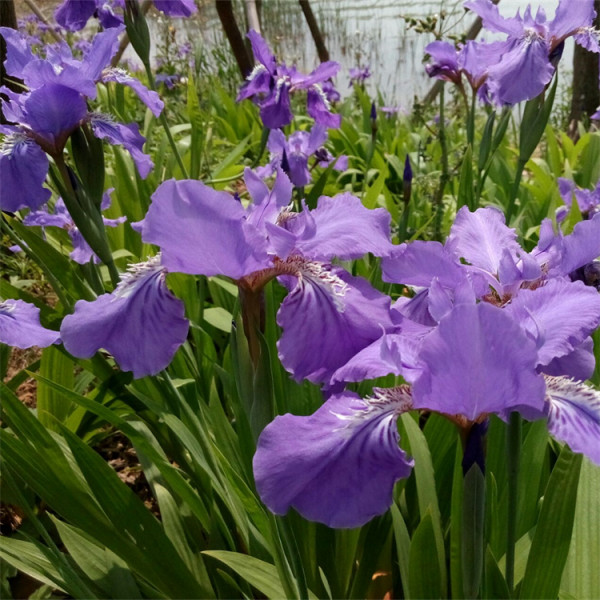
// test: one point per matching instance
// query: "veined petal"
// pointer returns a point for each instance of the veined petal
(318, 108)
(276, 111)
(267, 204)
(141, 323)
(559, 315)
(104, 47)
(202, 231)
(523, 72)
(419, 262)
(574, 415)
(327, 318)
(344, 228)
(23, 170)
(582, 245)
(479, 361)
(571, 16)
(261, 51)
(20, 326)
(481, 237)
(493, 20)
(337, 466)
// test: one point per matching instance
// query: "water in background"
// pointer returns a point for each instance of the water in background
(358, 32)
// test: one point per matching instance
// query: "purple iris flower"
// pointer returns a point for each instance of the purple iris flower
(271, 84)
(444, 61)
(74, 14)
(359, 75)
(42, 119)
(140, 323)
(481, 355)
(82, 253)
(522, 65)
(20, 326)
(588, 201)
(294, 153)
(328, 315)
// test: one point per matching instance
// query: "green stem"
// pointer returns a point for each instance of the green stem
(515, 190)
(165, 124)
(513, 448)
(438, 201)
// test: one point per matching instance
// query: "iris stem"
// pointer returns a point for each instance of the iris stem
(438, 201)
(165, 124)
(515, 190)
(513, 448)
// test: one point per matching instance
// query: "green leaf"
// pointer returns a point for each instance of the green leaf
(550, 544)
(425, 580)
(52, 406)
(259, 574)
(465, 184)
(485, 145)
(472, 524)
(495, 584)
(581, 577)
(371, 196)
(402, 539)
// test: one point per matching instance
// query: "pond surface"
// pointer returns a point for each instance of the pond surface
(357, 32)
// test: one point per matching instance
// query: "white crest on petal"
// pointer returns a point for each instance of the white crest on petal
(8, 144)
(136, 273)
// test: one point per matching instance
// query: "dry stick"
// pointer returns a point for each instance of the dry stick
(471, 35)
(38, 13)
(252, 15)
(125, 39)
(232, 31)
(314, 30)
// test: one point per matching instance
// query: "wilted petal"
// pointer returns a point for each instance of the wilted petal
(558, 315)
(344, 228)
(202, 231)
(149, 97)
(479, 361)
(176, 8)
(20, 326)
(74, 14)
(23, 170)
(337, 466)
(574, 415)
(481, 237)
(141, 323)
(128, 136)
(327, 318)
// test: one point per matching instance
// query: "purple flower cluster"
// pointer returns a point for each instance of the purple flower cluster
(520, 67)
(42, 119)
(271, 85)
(491, 329)
(74, 14)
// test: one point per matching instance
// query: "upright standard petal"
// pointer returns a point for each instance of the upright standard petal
(328, 317)
(20, 326)
(344, 228)
(18, 52)
(571, 16)
(141, 323)
(479, 361)
(574, 415)
(493, 20)
(74, 14)
(23, 170)
(337, 466)
(481, 237)
(558, 315)
(202, 231)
